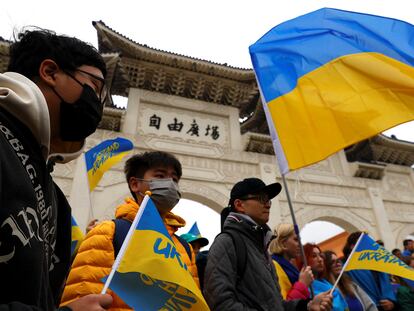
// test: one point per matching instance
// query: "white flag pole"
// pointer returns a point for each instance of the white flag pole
(284, 169)
(346, 263)
(80, 197)
(126, 241)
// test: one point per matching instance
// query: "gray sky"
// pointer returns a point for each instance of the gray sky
(215, 30)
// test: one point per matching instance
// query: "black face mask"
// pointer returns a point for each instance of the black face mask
(81, 118)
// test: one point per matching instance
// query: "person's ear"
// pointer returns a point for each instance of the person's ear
(47, 72)
(238, 206)
(283, 244)
(134, 184)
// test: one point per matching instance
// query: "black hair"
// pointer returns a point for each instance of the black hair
(32, 47)
(395, 251)
(406, 242)
(223, 215)
(350, 243)
(137, 165)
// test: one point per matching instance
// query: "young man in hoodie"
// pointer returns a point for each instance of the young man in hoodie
(255, 285)
(158, 172)
(51, 99)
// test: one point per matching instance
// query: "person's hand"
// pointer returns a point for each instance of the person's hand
(92, 224)
(386, 304)
(321, 302)
(92, 302)
(306, 276)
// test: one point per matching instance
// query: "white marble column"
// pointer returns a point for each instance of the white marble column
(129, 125)
(383, 225)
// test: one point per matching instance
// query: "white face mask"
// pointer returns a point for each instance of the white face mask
(165, 193)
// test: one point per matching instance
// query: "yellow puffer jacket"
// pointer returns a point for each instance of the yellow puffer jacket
(96, 255)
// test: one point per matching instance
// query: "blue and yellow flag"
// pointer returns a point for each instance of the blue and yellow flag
(195, 231)
(77, 237)
(369, 255)
(331, 78)
(194, 235)
(100, 158)
(151, 274)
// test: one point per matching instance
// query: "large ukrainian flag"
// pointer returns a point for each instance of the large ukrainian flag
(332, 78)
(100, 158)
(151, 274)
(369, 255)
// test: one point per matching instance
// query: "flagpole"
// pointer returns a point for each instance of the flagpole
(346, 263)
(126, 241)
(296, 227)
(89, 189)
(277, 148)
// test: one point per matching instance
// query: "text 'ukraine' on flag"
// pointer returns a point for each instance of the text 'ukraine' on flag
(100, 158)
(369, 255)
(151, 274)
(77, 237)
(331, 78)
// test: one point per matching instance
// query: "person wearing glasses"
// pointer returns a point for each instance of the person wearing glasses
(256, 286)
(356, 298)
(51, 99)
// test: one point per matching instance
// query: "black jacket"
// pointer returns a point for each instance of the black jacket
(258, 288)
(35, 223)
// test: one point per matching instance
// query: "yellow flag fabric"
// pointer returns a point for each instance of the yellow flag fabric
(284, 282)
(77, 237)
(102, 157)
(369, 255)
(329, 79)
(151, 274)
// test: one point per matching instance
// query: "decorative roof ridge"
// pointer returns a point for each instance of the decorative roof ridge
(393, 142)
(100, 23)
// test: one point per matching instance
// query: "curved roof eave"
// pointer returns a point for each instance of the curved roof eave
(106, 35)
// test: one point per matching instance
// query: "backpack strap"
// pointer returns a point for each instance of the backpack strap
(186, 246)
(121, 230)
(241, 251)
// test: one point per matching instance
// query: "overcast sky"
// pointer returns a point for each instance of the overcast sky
(215, 30)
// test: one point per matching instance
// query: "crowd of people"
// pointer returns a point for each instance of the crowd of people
(51, 100)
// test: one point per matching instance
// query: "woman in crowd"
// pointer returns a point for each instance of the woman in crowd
(355, 296)
(284, 248)
(320, 284)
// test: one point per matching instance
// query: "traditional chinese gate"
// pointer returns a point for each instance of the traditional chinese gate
(193, 108)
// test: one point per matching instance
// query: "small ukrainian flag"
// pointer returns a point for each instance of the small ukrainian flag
(100, 158)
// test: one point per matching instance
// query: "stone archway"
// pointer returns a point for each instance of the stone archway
(203, 194)
(403, 233)
(341, 217)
